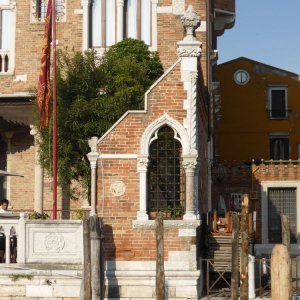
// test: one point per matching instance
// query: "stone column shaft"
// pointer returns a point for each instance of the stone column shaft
(189, 164)
(38, 173)
(120, 20)
(142, 165)
(85, 24)
(93, 158)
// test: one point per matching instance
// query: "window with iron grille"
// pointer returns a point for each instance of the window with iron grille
(281, 201)
(166, 179)
(40, 9)
(278, 102)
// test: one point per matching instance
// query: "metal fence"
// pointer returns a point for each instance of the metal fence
(218, 280)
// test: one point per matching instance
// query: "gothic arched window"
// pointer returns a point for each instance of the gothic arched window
(166, 180)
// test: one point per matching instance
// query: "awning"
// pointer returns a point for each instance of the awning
(4, 173)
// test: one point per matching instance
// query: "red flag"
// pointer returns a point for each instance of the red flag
(44, 90)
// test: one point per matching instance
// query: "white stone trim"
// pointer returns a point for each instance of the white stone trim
(264, 204)
(154, 8)
(165, 10)
(150, 224)
(85, 23)
(118, 156)
(155, 125)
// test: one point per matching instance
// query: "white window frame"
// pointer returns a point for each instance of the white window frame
(277, 88)
(11, 51)
(265, 185)
(34, 19)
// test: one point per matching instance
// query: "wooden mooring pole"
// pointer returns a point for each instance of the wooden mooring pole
(244, 250)
(280, 273)
(285, 236)
(235, 257)
(96, 258)
(160, 276)
(87, 293)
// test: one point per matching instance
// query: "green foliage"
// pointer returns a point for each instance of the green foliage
(16, 277)
(92, 94)
(79, 215)
(35, 216)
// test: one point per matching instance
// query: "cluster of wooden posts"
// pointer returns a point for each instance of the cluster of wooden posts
(93, 261)
(281, 270)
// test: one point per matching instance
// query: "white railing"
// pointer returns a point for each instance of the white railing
(42, 241)
(4, 61)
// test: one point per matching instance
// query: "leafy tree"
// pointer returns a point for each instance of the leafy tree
(92, 94)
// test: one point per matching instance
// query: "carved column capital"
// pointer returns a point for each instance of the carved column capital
(142, 163)
(189, 163)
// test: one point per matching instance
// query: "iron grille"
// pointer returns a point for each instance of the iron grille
(281, 201)
(40, 9)
(166, 180)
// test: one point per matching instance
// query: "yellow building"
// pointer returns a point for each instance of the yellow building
(258, 112)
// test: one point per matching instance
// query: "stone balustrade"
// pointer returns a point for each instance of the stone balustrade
(42, 241)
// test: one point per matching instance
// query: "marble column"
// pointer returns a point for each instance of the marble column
(85, 24)
(120, 20)
(93, 158)
(154, 4)
(8, 136)
(189, 164)
(142, 166)
(38, 173)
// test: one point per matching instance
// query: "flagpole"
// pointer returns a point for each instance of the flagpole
(54, 210)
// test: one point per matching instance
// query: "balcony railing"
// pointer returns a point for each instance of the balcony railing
(4, 61)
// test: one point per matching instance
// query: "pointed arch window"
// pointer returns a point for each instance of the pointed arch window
(166, 178)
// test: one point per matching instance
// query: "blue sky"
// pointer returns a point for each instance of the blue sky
(265, 30)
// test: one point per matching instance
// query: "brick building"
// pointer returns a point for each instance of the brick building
(259, 121)
(157, 159)
(136, 177)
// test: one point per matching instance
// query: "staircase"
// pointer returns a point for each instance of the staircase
(220, 251)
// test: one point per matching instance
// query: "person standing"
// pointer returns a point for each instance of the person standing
(4, 206)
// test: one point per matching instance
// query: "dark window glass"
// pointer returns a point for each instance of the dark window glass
(279, 148)
(278, 104)
(166, 180)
